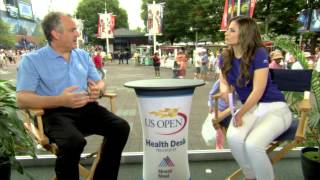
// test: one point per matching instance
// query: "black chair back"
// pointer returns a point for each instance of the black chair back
(292, 80)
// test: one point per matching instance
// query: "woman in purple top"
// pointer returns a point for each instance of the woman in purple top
(264, 114)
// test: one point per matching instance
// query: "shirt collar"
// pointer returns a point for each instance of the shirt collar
(53, 54)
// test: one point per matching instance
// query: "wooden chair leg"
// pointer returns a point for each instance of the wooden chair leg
(272, 146)
(83, 171)
(94, 165)
(95, 162)
(283, 152)
(234, 175)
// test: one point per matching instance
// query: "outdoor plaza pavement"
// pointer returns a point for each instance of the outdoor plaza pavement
(127, 108)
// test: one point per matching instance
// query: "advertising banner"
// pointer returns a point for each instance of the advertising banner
(155, 10)
(165, 135)
(231, 10)
(112, 25)
(79, 24)
(252, 6)
(224, 21)
(106, 25)
(303, 20)
(25, 9)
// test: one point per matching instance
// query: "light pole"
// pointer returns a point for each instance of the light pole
(154, 30)
(106, 26)
(196, 34)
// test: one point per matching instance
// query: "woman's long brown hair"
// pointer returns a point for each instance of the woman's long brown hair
(250, 41)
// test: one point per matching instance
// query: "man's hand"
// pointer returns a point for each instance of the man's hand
(72, 99)
(94, 91)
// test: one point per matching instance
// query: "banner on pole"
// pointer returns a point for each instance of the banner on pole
(224, 20)
(101, 26)
(106, 25)
(112, 25)
(156, 11)
(230, 10)
(252, 6)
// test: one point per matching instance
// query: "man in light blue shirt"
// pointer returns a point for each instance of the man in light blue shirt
(64, 82)
(49, 76)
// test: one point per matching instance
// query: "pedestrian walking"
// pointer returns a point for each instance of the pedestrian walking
(156, 64)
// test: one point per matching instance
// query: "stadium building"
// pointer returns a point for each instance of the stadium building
(18, 14)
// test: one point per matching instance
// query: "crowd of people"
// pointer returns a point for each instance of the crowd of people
(284, 60)
(10, 56)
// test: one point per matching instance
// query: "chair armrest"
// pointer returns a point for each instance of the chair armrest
(36, 112)
(304, 107)
(219, 115)
(35, 130)
(109, 95)
(216, 96)
(112, 98)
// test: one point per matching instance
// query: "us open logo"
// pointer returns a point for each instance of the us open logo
(166, 121)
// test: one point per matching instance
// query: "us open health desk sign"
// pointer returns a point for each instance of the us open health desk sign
(164, 107)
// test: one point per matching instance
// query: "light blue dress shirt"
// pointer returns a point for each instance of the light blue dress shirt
(46, 73)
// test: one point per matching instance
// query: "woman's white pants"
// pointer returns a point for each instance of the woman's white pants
(261, 125)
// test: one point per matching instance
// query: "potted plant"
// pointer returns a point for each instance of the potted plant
(14, 140)
(310, 154)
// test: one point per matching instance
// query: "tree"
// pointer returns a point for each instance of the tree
(206, 16)
(7, 39)
(279, 17)
(88, 10)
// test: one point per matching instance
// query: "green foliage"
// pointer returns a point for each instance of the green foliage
(6, 38)
(88, 10)
(14, 139)
(279, 17)
(312, 155)
(287, 43)
(292, 99)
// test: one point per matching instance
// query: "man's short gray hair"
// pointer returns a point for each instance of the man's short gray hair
(52, 21)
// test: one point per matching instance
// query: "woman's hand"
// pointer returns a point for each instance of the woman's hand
(237, 121)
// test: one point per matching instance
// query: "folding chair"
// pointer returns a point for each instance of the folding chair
(34, 125)
(290, 81)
